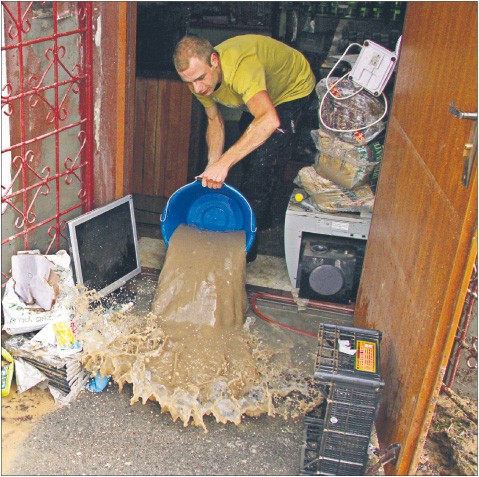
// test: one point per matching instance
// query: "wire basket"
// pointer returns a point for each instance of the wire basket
(347, 373)
(349, 355)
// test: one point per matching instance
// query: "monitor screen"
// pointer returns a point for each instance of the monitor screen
(104, 246)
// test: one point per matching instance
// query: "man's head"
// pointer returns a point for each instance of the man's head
(198, 64)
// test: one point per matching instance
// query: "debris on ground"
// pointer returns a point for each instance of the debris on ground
(451, 446)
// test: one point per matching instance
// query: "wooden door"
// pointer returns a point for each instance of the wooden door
(422, 243)
(161, 137)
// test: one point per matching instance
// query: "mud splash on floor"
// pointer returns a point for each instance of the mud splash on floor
(20, 412)
(193, 353)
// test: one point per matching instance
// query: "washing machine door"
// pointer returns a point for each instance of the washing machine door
(326, 280)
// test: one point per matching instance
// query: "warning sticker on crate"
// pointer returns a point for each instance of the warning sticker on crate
(366, 356)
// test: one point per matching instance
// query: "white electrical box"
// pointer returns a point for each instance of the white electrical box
(373, 68)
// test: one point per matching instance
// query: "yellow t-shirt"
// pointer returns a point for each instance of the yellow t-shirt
(254, 63)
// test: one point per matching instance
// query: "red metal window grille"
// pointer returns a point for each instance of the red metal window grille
(47, 112)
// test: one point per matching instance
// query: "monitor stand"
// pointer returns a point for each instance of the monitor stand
(115, 300)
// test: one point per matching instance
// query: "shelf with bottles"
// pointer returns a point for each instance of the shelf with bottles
(386, 12)
(239, 15)
(389, 12)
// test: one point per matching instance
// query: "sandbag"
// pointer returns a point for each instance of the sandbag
(327, 196)
(346, 164)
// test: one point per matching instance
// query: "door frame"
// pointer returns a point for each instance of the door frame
(130, 16)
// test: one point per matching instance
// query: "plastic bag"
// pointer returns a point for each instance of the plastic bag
(348, 173)
(22, 318)
(343, 163)
(98, 383)
(327, 196)
(356, 112)
(27, 376)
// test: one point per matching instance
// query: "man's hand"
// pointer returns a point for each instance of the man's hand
(214, 175)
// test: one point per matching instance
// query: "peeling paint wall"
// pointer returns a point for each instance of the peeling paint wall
(31, 68)
(108, 163)
(98, 88)
(107, 141)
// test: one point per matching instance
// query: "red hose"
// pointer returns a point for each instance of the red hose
(312, 304)
(273, 322)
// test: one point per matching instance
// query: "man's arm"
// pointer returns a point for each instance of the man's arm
(215, 133)
(265, 122)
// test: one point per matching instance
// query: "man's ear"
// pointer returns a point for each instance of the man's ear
(215, 60)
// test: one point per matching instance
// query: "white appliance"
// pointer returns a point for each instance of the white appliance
(374, 67)
(328, 248)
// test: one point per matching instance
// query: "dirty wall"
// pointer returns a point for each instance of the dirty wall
(43, 100)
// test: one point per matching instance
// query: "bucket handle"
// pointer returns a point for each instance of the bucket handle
(164, 215)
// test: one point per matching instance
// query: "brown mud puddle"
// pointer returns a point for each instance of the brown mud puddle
(20, 413)
(192, 354)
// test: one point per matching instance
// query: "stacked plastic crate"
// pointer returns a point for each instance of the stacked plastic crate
(338, 432)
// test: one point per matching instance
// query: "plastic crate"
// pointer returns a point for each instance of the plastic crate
(348, 355)
(331, 467)
(353, 419)
(331, 453)
(338, 432)
(313, 434)
(342, 447)
(360, 395)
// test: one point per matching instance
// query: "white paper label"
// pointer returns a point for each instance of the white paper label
(342, 226)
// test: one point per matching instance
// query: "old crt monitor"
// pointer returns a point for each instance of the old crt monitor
(104, 247)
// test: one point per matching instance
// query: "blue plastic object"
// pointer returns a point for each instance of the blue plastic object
(217, 210)
(98, 383)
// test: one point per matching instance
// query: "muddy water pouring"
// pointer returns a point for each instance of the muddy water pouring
(193, 353)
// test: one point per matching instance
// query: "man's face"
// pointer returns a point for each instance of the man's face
(202, 78)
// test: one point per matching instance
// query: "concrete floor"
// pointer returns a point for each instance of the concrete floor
(102, 434)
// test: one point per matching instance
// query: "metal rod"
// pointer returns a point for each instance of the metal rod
(469, 303)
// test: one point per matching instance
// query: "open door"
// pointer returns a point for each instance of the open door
(422, 244)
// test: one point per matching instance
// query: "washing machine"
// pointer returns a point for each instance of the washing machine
(324, 252)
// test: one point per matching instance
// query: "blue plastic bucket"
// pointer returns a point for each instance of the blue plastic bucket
(217, 210)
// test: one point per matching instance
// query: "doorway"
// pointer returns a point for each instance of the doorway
(169, 145)
(403, 292)
(382, 304)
